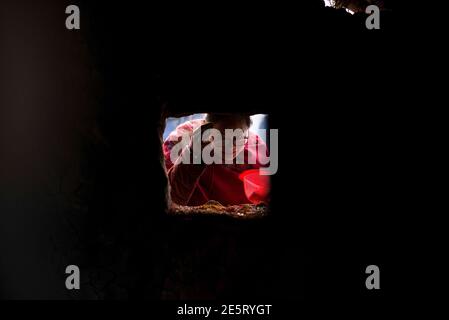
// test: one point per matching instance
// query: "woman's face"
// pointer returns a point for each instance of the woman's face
(237, 146)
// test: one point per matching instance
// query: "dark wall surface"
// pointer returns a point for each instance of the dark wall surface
(82, 181)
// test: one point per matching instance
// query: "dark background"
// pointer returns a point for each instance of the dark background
(82, 181)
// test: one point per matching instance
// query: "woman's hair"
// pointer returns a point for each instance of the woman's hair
(217, 117)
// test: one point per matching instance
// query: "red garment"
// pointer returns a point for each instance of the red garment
(195, 184)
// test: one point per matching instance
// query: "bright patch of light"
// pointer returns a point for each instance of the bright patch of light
(259, 123)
